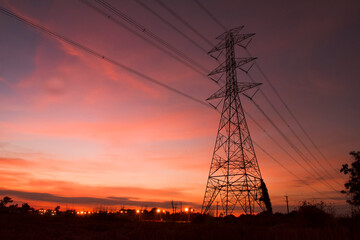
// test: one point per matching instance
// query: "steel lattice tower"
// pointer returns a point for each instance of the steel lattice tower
(234, 176)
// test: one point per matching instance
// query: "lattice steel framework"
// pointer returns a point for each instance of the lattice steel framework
(234, 177)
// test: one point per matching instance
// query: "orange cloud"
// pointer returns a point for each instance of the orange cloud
(14, 162)
(164, 126)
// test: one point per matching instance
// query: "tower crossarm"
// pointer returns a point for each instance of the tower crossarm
(242, 87)
(239, 62)
(238, 38)
(234, 31)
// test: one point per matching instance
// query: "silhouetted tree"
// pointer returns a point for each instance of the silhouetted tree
(312, 214)
(5, 201)
(25, 207)
(57, 209)
(13, 208)
(353, 185)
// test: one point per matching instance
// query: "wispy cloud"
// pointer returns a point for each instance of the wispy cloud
(91, 201)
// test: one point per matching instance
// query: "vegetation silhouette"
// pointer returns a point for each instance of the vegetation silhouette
(5, 201)
(310, 221)
(353, 184)
(314, 215)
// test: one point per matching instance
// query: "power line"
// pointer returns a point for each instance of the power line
(292, 145)
(149, 33)
(293, 174)
(277, 161)
(210, 15)
(278, 144)
(171, 25)
(292, 131)
(187, 61)
(100, 56)
(183, 21)
(292, 114)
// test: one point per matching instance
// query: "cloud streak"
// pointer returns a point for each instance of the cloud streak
(90, 201)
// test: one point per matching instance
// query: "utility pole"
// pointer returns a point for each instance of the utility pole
(287, 203)
(234, 176)
(217, 208)
(172, 206)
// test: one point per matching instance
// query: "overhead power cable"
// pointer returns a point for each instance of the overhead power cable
(283, 149)
(277, 161)
(149, 33)
(171, 25)
(99, 55)
(293, 174)
(293, 146)
(183, 21)
(175, 53)
(277, 143)
(293, 115)
(210, 15)
(293, 132)
(111, 61)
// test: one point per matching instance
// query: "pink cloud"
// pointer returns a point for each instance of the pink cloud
(176, 125)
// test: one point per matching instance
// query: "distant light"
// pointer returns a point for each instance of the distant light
(186, 209)
(163, 211)
(158, 210)
(137, 211)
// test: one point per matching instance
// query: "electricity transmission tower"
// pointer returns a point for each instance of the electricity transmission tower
(234, 175)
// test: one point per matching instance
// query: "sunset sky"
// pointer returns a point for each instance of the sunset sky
(77, 131)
